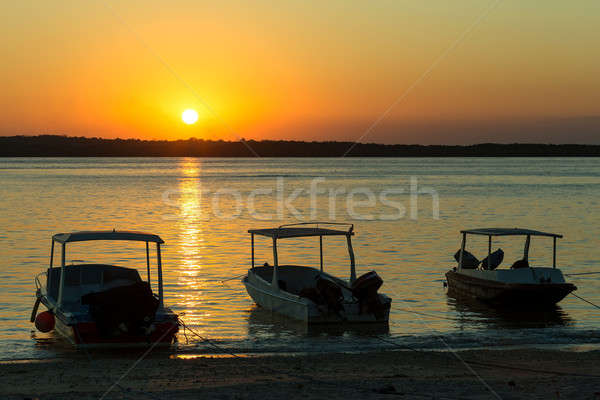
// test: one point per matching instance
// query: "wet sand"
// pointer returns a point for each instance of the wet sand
(490, 374)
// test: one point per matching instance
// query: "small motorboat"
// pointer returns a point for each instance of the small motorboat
(309, 294)
(99, 304)
(521, 284)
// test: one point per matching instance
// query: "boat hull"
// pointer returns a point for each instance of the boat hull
(279, 303)
(86, 334)
(501, 293)
(163, 332)
(302, 309)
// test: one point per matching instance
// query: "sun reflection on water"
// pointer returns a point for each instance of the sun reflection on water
(191, 240)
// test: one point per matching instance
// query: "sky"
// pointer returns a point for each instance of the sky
(429, 72)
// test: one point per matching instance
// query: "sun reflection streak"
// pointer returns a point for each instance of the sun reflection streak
(191, 240)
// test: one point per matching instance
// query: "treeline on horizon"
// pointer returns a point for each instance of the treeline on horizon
(67, 146)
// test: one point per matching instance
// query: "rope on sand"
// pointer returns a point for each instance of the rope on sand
(118, 381)
(207, 340)
(473, 362)
(117, 384)
(492, 365)
(405, 347)
(225, 351)
(290, 374)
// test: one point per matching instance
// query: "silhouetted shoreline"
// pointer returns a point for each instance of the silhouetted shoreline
(67, 146)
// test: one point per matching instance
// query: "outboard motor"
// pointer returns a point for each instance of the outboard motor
(365, 290)
(325, 292)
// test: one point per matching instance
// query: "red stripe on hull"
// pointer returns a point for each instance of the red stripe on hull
(87, 333)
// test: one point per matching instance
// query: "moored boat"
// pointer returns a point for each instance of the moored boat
(521, 284)
(309, 294)
(102, 304)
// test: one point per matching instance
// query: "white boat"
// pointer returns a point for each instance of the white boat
(100, 304)
(520, 284)
(309, 294)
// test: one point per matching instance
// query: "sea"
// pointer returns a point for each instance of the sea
(407, 214)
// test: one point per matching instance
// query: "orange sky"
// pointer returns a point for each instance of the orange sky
(301, 69)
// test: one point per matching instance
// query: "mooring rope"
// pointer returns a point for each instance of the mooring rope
(400, 346)
(275, 371)
(587, 301)
(427, 314)
(310, 378)
(583, 273)
(232, 278)
(493, 365)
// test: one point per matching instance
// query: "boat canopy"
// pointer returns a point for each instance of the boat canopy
(64, 238)
(509, 232)
(296, 230)
(490, 232)
(106, 235)
(302, 230)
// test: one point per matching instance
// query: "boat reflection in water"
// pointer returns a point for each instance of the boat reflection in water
(472, 312)
(262, 322)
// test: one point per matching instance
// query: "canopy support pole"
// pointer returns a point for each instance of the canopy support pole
(554, 252)
(148, 261)
(160, 278)
(489, 252)
(51, 264)
(62, 275)
(462, 250)
(252, 247)
(52, 254)
(526, 251)
(321, 250)
(275, 280)
(352, 262)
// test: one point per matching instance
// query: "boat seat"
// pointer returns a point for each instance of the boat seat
(120, 273)
(292, 278)
(520, 264)
(469, 260)
(495, 259)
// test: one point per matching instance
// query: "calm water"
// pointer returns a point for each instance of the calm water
(202, 208)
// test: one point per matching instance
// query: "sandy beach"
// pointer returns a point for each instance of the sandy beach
(485, 374)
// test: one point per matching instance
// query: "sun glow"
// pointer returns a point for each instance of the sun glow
(189, 116)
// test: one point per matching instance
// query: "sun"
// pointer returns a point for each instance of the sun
(189, 116)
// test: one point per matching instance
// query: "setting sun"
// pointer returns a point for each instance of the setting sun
(189, 116)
